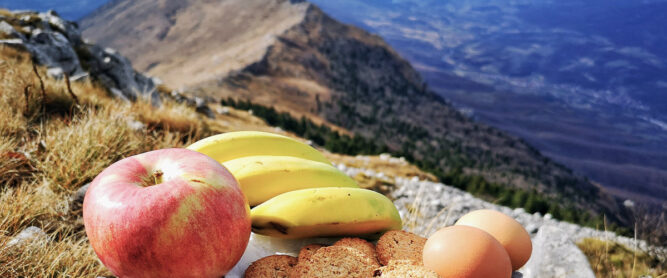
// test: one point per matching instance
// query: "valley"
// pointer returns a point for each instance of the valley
(582, 82)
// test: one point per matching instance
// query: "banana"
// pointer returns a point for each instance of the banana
(231, 145)
(321, 212)
(264, 177)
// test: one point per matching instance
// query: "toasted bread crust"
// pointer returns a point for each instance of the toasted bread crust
(276, 266)
(333, 262)
(400, 245)
(363, 246)
(308, 251)
(404, 269)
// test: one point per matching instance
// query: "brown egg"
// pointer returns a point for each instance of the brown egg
(466, 252)
(506, 230)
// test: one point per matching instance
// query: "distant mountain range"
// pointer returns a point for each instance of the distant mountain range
(292, 56)
(583, 81)
(67, 9)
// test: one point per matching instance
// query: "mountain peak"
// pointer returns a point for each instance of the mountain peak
(187, 42)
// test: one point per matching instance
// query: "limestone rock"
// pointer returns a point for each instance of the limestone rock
(135, 125)
(57, 44)
(202, 107)
(56, 72)
(69, 29)
(115, 71)
(7, 30)
(556, 255)
(223, 110)
(53, 50)
(29, 235)
(76, 200)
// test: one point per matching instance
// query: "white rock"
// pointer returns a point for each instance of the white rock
(6, 29)
(628, 203)
(79, 76)
(342, 167)
(223, 110)
(12, 41)
(55, 72)
(157, 81)
(135, 125)
(556, 255)
(29, 235)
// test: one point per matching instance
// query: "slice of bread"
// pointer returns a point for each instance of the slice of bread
(308, 251)
(400, 245)
(363, 246)
(334, 262)
(404, 269)
(276, 266)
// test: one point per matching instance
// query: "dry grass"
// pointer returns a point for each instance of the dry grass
(171, 116)
(98, 138)
(389, 165)
(610, 259)
(14, 166)
(650, 224)
(50, 146)
(384, 185)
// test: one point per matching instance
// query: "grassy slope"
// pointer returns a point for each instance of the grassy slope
(46, 155)
(610, 259)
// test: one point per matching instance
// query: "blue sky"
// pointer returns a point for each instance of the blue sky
(69, 9)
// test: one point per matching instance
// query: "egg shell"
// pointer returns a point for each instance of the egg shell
(466, 252)
(506, 230)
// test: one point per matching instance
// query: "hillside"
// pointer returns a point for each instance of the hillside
(309, 64)
(184, 42)
(582, 81)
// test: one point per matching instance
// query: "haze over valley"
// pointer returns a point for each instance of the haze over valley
(584, 82)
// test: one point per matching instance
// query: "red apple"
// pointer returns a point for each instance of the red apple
(167, 213)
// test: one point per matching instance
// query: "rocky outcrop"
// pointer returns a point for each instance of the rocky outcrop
(57, 44)
(187, 42)
(28, 236)
(556, 255)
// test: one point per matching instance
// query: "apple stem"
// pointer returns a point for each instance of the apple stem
(157, 177)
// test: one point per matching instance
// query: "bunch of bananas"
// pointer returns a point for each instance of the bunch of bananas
(295, 191)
